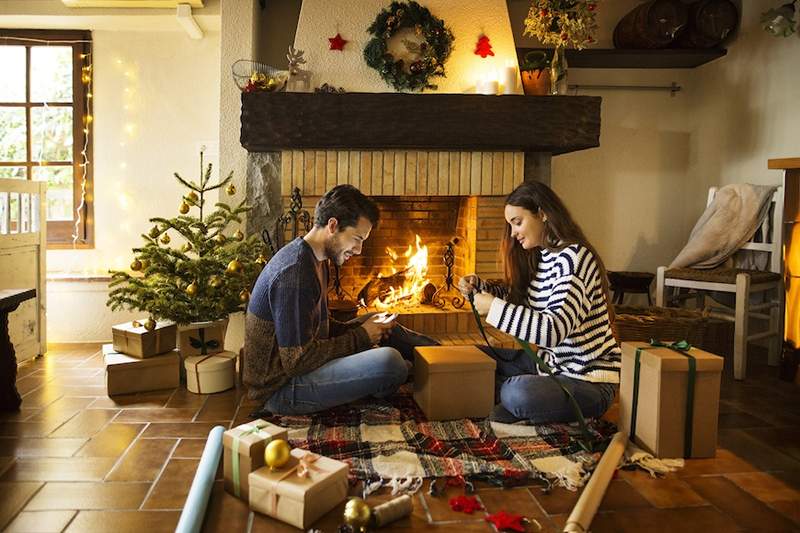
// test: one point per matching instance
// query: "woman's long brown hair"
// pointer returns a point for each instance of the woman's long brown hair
(519, 265)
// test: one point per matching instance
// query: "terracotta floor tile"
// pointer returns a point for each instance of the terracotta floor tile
(220, 406)
(790, 509)
(228, 513)
(61, 410)
(157, 415)
(59, 469)
(30, 383)
(725, 462)
(619, 495)
(745, 510)
(190, 448)
(183, 398)
(15, 496)
(192, 430)
(786, 440)
(143, 460)
(40, 522)
(84, 391)
(756, 452)
(768, 487)
(687, 520)
(143, 400)
(69, 372)
(439, 507)
(664, 493)
(173, 485)
(111, 441)
(519, 501)
(49, 447)
(94, 496)
(18, 416)
(28, 429)
(41, 397)
(125, 522)
(86, 424)
(5, 463)
(740, 420)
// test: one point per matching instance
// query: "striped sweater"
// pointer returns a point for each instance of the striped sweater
(566, 316)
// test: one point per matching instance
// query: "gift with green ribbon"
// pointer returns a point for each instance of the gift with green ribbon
(244, 453)
(669, 398)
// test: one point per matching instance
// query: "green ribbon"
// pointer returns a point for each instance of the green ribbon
(201, 344)
(587, 442)
(235, 456)
(681, 347)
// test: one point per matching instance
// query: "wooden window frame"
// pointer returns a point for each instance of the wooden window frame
(59, 232)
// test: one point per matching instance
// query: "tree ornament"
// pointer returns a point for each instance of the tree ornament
(191, 290)
(192, 196)
(357, 514)
(483, 47)
(239, 236)
(261, 260)
(244, 296)
(136, 265)
(145, 263)
(337, 43)
(136, 324)
(234, 267)
(184, 208)
(154, 232)
(505, 521)
(186, 247)
(219, 238)
(165, 239)
(230, 189)
(277, 453)
(150, 324)
(215, 282)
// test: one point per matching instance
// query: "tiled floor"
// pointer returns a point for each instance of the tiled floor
(75, 460)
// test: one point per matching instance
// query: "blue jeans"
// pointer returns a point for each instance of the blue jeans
(528, 395)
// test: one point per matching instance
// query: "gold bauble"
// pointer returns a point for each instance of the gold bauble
(184, 208)
(149, 324)
(136, 324)
(230, 189)
(192, 196)
(244, 296)
(145, 263)
(239, 236)
(261, 260)
(234, 267)
(215, 281)
(219, 238)
(136, 265)
(165, 239)
(154, 232)
(357, 514)
(191, 290)
(186, 247)
(277, 453)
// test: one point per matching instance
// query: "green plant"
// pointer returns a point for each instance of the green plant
(536, 60)
(562, 23)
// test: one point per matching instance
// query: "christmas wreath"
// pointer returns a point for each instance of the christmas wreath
(430, 54)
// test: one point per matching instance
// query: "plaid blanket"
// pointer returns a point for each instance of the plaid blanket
(391, 439)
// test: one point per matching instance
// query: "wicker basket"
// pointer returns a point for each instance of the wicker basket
(662, 323)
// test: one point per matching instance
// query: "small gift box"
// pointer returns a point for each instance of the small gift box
(244, 452)
(202, 338)
(207, 374)
(137, 341)
(301, 491)
(126, 374)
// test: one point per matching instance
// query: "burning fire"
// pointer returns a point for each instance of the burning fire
(406, 284)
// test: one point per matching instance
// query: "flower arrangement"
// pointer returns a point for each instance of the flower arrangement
(562, 23)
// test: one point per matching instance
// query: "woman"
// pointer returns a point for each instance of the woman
(556, 297)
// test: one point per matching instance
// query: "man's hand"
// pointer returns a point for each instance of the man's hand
(469, 284)
(483, 302)
(377, 331)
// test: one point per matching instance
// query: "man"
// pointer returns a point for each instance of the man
(297, 359)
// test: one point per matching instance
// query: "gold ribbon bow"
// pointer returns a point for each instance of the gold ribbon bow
(303, 467)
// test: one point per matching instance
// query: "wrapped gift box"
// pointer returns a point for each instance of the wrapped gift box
(126, 374)
(207, 374)
(138, 342)
(452, 382)
(244, 452)
(297, 499)
(202, 338)
(663, 401)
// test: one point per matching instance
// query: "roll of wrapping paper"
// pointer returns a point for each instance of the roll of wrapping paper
(586, 507)
(194, 510)
(392, 510)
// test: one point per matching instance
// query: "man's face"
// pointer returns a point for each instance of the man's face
(342, 244)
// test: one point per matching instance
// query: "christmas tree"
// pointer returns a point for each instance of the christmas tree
(208, 277)
(483, 47)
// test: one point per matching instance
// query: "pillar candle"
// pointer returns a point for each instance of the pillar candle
(509, 79)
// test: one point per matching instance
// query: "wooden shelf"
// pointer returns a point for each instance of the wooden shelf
(621, 58)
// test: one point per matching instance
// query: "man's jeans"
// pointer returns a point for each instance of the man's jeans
(377, 372)
(528, 395)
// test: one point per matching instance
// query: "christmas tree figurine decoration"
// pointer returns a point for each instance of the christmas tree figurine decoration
(483, 47)
(205, 276)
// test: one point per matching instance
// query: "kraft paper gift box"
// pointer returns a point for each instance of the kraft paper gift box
(452, 382)
(665, 414)
(126, 374)
(301, 491)
(207, 374)
(138, 342)
(202, 338)
(244, 453)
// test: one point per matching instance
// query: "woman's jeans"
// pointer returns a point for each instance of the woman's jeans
(528, 395)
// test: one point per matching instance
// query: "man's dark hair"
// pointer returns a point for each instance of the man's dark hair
(346, 204)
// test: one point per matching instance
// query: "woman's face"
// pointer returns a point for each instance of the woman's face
(526, 227)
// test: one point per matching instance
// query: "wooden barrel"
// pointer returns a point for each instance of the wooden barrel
(653, 24)
(710, 22)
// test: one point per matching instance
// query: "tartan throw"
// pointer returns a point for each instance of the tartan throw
(392, 439)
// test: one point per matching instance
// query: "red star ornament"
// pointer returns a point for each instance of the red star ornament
(465, 504)
(337, 43)
(505, 521)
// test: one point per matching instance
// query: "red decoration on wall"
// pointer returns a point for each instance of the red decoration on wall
(483, 47)
(505, 521)
(337, 43)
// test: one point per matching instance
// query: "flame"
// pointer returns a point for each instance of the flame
(416, 272)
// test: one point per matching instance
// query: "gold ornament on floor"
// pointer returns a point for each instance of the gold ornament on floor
(136, 265)
(357, 514)
(149, 324)
(234, 267)
(191, 290)
(239, 236)
(277, 453)
(165, 239)
(230, 189)
(215, 282)
(244, 296)
(184, 208)
(219, 238)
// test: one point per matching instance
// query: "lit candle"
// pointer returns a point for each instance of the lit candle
(510, 79)
(489, 85)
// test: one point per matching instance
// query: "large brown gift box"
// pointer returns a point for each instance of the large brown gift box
(202, 338)
(655, 411)
(244, 452)
(301, 491)
(126, 374)
(452, 382)
(137, 341)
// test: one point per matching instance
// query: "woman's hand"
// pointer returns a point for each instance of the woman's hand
(483, 302)
(469, 284)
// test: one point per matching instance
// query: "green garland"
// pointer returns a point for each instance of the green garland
(432, 52)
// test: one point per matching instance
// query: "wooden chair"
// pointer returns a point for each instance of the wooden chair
(695, 283)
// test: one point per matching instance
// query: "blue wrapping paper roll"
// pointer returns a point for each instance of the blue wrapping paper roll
(194, 510)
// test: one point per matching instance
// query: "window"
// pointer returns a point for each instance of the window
(46, 124)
